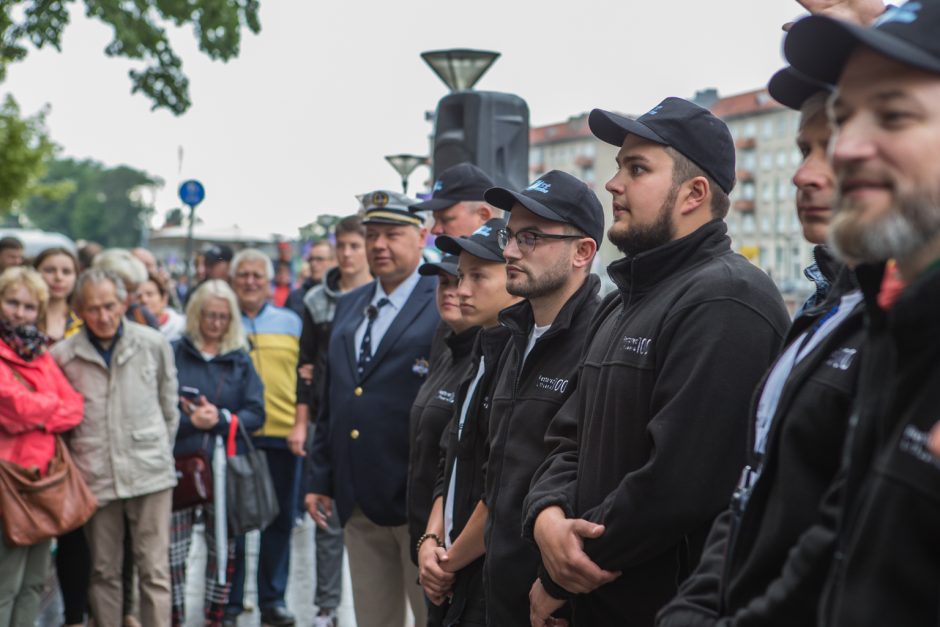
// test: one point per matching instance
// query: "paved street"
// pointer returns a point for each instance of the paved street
(300, 586)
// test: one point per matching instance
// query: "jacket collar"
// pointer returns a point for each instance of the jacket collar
(640, 273)
(331, 283)
(520, 320)
(913, 319)
(123, 348)
(461, 344)
(187, 345)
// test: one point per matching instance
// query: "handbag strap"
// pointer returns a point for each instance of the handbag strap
(244, 433)
(18, 376)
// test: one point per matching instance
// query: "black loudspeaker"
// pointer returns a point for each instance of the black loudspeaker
(488, 129)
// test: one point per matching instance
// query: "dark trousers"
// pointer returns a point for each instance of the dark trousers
(274, 556)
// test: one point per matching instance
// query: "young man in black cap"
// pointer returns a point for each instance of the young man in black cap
(652, 440)
(798, 428)
(457, 201)
(377, 361)
(453, 541)
(886, 155)
(434, 406)
(554, 230)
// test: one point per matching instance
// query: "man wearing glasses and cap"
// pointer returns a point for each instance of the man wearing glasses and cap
(621, 507)
(378, 358)
(554, 229)
(457, 201)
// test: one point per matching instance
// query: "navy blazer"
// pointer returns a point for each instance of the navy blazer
(359, 454)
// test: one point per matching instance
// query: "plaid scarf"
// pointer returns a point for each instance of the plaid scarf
(26, 341)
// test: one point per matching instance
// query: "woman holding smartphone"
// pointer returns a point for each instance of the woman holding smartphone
(217, 380)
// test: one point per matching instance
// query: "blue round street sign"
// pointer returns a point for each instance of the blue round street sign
(192, 192)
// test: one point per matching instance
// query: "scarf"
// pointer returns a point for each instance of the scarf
(26, 340)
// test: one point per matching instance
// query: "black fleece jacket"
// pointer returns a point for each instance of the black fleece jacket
(526, 398)
(741, 579)
(887, 565)
(651, 442)
(471, 450)
(432, 410)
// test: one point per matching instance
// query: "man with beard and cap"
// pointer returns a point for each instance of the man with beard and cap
(621, 507)
(555, 227)
(377, 361)
(886, 156)
(457, 201)
(434, 407)
(450, 553)
(799, 424)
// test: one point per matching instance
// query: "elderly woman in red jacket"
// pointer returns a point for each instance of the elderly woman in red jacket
(36, 402)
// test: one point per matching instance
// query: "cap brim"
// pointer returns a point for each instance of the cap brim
(613, 129)
(819, 47)
(792, 88)
(505, 199)
(457, 245)
(433, 268)
(433, 204)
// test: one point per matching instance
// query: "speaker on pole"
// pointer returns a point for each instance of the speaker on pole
(488, 129)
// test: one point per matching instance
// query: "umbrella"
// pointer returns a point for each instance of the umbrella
(218, 500)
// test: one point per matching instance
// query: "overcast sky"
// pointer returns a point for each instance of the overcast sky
(299, 123)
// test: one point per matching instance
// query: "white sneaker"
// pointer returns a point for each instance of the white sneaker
(326, 620)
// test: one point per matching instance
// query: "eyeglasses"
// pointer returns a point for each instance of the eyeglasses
(317, 259)
(215, 317)
(526, 240)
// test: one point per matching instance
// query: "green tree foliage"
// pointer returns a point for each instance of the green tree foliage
(24, 148)
(104, 205)
(139, 33)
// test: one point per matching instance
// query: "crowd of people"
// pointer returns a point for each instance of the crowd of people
(490, 439)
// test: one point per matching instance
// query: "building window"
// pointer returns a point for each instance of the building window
(748, 159)
(765, 224)
(767, 161)
(747, 190)
(783, 189)
(748, 223)
(781, 158)
(767, 128)
(796, 158)
(750, 129)
(766, 192)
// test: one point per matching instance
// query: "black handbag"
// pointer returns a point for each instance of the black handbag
(249, 490)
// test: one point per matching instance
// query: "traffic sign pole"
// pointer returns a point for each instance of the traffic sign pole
(192, 193)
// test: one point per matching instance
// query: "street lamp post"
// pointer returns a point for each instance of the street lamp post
(460, 68)
(405, 165)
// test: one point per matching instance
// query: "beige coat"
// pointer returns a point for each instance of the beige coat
(124, 446)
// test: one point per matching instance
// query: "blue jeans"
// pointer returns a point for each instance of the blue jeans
(274, 556)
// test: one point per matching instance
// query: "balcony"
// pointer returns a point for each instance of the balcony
(744, 176)
(746, 143)
(744, 206)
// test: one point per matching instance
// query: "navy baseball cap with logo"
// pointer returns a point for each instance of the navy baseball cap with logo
(482, 243)
(819, 46)
(384, 207)
(693, 131)
(447, 265)
(218, 253)
(457, 183)
(559, 197)
(792, 88)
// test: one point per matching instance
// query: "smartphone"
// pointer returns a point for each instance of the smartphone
(191, 394)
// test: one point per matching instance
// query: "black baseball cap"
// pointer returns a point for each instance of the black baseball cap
(792, 88)
(217, 253)
(457, 183)
(819, 46)
(447, 265)
(482, 243)
(559, 197)
(690, 129)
